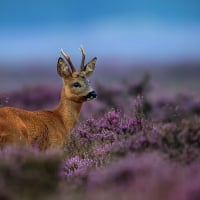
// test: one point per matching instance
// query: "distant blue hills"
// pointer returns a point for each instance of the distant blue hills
(126, 29)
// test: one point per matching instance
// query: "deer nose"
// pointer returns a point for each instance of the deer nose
(91, 95)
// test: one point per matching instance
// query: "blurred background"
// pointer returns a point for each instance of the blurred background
(129, 38)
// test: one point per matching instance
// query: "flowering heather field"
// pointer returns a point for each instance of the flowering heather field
(129, 144)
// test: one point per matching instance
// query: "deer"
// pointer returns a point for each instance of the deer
(50, 128)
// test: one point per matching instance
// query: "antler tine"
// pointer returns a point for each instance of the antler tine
(83, 59)
(67, 57)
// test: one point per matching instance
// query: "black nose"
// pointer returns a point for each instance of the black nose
(91, 95)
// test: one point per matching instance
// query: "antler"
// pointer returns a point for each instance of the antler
(67, 57)
(83, 59)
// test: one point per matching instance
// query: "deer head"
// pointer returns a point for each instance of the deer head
(76, 85)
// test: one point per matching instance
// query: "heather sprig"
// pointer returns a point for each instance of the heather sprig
(76, 167)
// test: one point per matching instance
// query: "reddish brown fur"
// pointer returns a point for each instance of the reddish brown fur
(48, 129)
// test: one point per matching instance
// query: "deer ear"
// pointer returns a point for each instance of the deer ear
(89, 67)
(63, 68)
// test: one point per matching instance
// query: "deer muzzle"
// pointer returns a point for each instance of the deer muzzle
(91, 95)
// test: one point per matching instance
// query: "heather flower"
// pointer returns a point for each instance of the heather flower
(106, 135)
(130, 125)
(110, 121)
(82, 133)
(138, 142)
(101, 150)
(76, 166)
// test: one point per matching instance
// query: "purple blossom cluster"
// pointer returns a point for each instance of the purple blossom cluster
(107, 131)
(76, 167)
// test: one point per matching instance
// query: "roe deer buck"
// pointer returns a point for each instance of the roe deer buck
(49, 129)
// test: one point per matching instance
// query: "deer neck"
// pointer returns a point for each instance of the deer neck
(68, 111)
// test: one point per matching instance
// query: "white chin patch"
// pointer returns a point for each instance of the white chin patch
(90, 98)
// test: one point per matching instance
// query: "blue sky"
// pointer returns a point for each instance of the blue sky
(128, 29)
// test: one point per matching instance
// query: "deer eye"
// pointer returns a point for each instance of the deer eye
(76, 84)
